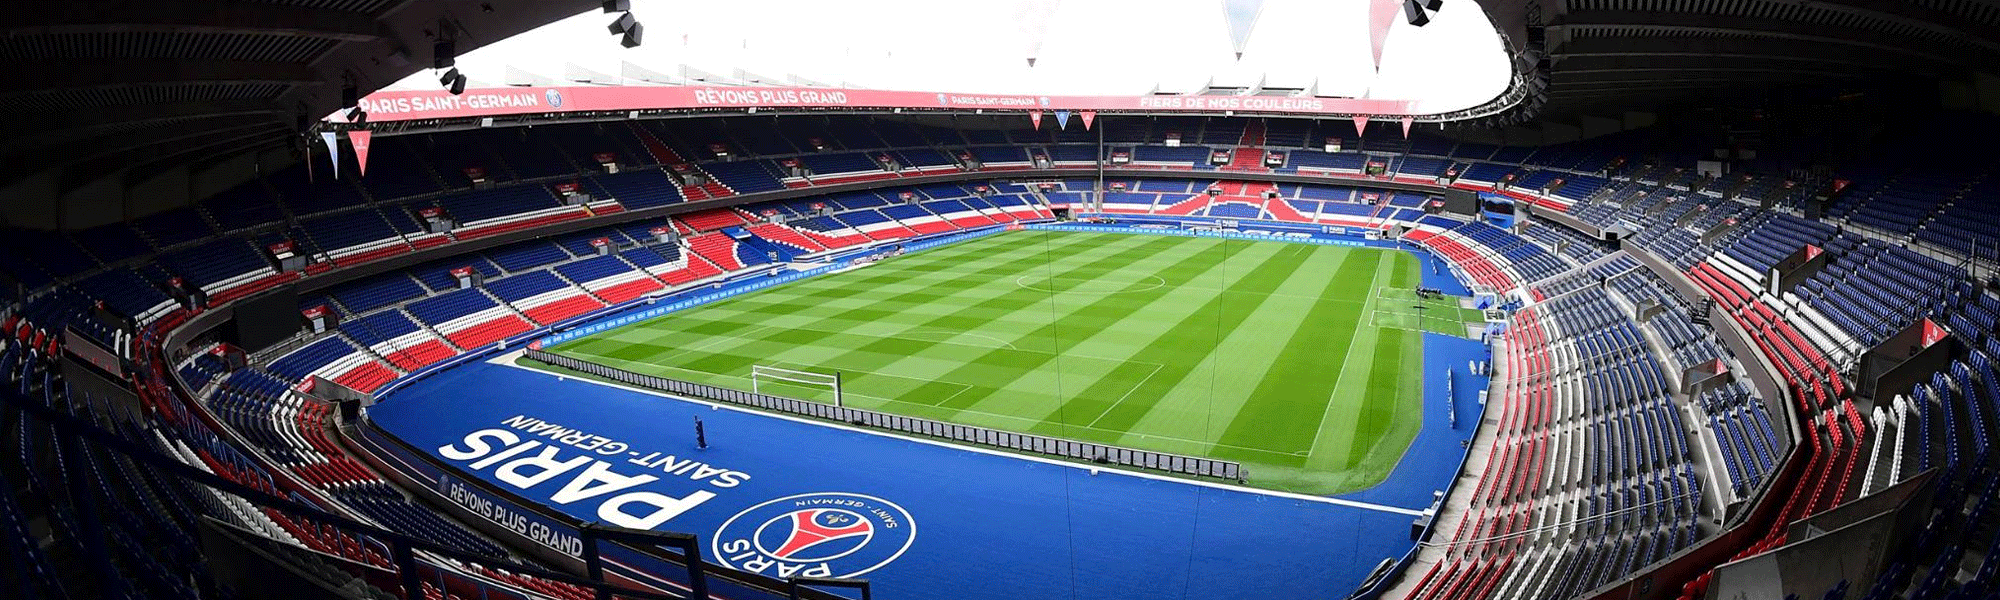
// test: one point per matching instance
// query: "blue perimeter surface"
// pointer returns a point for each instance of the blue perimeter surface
(1435, 455)
(989, 526)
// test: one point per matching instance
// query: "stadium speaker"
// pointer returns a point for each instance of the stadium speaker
(357, 116)
(633, 35)
(622, 24)
(349, 96)
(1433, 5)
(612, 6)
(458, 85)
(444, 54)
(1414, 11)
(448, 77)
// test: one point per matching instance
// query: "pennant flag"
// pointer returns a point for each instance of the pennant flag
(1407, 121)
(1381, 16)
(1035, 116)
(360, 139)
(1088, 116)
(1360, 125)
(1242, 16)
(1062, 119)
(332, 151)
(1031, 19)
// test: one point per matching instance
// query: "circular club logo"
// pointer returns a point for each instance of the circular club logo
(826, 534)
(555, 98)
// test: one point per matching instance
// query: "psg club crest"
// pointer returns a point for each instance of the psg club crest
(555, 98)
(827, 534)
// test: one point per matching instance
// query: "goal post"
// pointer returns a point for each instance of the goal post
(759, 373)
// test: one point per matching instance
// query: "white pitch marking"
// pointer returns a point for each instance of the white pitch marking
(990, 452)
(1128, 394)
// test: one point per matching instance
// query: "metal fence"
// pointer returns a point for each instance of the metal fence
(1024, 442)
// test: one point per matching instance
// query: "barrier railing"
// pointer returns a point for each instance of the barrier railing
(968, 434)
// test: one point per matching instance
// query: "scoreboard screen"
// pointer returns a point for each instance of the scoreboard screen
(264, 319)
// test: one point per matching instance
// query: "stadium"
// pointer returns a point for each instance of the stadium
(1373, 299)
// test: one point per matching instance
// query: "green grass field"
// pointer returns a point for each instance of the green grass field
(1300, 361)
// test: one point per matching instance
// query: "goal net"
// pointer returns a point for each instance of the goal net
(760, 375)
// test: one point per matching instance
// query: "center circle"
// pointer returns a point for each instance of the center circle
(1109, 284)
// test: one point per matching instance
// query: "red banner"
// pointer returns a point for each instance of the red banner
(486, 102)
(360, 138)
(1035, 116)
(1088, 117)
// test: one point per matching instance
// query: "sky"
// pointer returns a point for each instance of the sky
(1081, 47)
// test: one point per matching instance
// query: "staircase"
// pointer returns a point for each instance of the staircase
(377, 356)
(511, 309)
(1253, 135)
(427, 328)
(579, 286)
(659, 150)
(1249, 153)
(666, 156)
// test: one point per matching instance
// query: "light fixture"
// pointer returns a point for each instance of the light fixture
(632, 36)
(444, 54)
(1414, 12)
(453, 80)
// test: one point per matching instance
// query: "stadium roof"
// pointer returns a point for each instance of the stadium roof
(1296, 48)
(1623, 54)
(108, 98)
(137, 86)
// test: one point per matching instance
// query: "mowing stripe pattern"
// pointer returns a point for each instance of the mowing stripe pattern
(1289, 358)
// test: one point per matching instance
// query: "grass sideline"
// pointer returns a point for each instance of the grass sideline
(1303, 362)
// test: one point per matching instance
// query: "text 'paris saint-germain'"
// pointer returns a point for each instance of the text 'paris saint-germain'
(519, 460)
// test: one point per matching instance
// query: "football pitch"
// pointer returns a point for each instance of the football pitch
(1303, 362)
